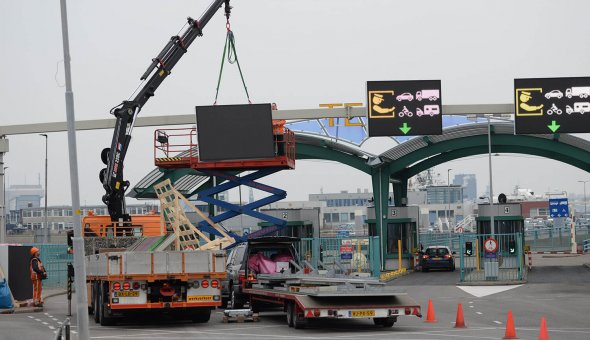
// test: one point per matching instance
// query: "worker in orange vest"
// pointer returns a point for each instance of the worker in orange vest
(38, 273)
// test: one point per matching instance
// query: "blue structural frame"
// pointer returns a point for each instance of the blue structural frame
(233, 181)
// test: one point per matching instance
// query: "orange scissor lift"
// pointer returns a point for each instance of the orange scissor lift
(178, 149)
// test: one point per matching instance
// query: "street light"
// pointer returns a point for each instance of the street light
(46, 230)
(3, 226)
(585, 212)
(449, 201)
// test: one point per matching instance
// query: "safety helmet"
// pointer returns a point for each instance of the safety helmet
(34, 250)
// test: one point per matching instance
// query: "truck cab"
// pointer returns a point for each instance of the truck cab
(263, 255)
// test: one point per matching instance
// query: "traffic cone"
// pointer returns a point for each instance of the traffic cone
(460, 321)
(543, 335)
(510, 330)
(430, 314)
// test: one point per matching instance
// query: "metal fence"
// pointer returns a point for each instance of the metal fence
(545, 239)
(441, 239)
(55, 259)
(343, 255)
(507, 263)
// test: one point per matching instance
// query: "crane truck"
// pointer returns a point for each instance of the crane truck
(125, 281)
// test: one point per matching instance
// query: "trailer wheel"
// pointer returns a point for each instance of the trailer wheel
(234, 302)
(385, 322)
(299, 320)
(104, 319)
(201, 316)
(290, 313)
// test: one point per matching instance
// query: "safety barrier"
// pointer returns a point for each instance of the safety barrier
(55, 259)
(351, 255)
(505, 263)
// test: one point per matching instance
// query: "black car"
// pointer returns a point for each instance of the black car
(437, 257)
(238, 270)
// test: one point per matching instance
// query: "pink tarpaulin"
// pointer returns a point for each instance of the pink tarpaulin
(261, 264)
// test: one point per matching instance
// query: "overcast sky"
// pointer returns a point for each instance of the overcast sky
(298, 53)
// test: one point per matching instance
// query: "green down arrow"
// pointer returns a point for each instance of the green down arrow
(405, 129)
(553, 127)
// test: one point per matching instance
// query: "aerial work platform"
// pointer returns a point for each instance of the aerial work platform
(178, 148)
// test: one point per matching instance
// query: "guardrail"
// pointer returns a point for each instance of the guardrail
(64, 331)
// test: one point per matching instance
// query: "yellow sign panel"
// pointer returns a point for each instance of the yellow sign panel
(200, 298)
(376, 98)
(363, 313)
(525, 106)
(127, 294)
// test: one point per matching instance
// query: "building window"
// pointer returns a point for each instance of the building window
(352, 216)
(344, 217)
(327, 217)
(68, 212)
(335, 217)
(37, 213)
(26, 213)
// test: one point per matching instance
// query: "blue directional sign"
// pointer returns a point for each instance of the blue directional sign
(343, 234)
(558, 207)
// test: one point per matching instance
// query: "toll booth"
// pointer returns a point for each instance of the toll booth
(302, 223)
(399, 224)
(507, 218)
(499, 249)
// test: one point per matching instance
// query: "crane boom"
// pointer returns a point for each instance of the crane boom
(126, 112)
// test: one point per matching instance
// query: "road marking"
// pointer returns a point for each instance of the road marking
(478, 313)
(471, 306)
(31, 317)
(481, 291)
(498, 322)
(74, 332)
(39, 320)
(51, 327)
(45, 323)
(470, 302)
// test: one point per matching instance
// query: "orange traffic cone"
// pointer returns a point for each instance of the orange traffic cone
(510, 330)
(543, 335)
(430, 314)
(460, 321)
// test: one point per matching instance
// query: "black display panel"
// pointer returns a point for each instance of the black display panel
(552, 105)
(404, 108)
(235, 132)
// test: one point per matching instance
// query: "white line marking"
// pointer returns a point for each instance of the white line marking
(31, 317)
(479, 313)
(39, 320)
(45, 323)
(470, 302)
(74, 332)
(46, 313)
(54, 319)
(471, 306)
(51, 327)
(498, 322)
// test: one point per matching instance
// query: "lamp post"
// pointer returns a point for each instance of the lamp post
(449, 201)
(46, 230)
(585, 212)
(3, 226)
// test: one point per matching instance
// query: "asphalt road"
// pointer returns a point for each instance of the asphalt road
(557, 292)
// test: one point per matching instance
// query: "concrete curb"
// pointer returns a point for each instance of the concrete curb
(492, 283)
(22, 310)
(587, 265)
(55, 294)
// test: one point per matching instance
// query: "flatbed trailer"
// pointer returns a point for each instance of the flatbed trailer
(305, 297)
(182, 283)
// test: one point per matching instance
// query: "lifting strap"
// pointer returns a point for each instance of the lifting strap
(232, 57)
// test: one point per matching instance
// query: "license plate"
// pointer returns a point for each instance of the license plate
(363, 313)
(126, 294)
(437, 258)
(199, 298)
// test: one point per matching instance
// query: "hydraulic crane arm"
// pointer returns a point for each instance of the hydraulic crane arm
(125, 113)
